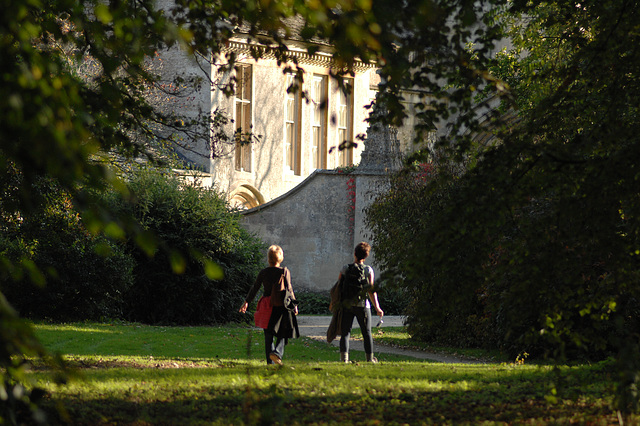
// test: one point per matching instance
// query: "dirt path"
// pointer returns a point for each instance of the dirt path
(315, 327)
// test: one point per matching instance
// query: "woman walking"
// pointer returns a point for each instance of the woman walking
(356, 284)
(282, 323)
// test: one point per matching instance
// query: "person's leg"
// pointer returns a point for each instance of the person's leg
(278, 350)
(345, 333)
(268, 345)
(363, 315)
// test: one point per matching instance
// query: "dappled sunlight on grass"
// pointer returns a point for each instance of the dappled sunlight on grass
(218, 375)
(328, 392)
(215, 342)
(75, 328)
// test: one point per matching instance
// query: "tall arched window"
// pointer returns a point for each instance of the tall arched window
(243, 100)
(345, 122)
(292, 143)
(319, 121)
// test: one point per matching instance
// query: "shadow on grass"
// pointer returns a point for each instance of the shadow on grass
(278, 404)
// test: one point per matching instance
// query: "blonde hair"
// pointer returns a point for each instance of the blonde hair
(275, 255)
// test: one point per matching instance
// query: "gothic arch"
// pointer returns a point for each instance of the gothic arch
(246, 196)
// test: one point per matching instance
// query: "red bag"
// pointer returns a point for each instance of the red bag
(263, 312)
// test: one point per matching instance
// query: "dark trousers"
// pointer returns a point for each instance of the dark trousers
(270, 348)
(363, 315)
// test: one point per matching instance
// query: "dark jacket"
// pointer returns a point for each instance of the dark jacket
(283, 323)
(336, 320)
(265, 279)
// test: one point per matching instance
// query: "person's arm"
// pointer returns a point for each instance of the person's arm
(252, 293)
(374, 299)
(373, 296)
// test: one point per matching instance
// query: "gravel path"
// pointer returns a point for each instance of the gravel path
(315, 327)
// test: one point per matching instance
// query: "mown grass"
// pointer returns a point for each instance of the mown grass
(132, 374)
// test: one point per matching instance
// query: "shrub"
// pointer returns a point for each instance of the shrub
(392, 301)
(193, 226)
(440, 303)
(528, 278)
(313, 302)
(69, 274)
(72, 280)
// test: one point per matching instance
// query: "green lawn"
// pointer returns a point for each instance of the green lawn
(133, 374)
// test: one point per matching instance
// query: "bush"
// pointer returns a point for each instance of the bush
(313, 302)
(438, 305)
(525, 279)
(392, 301)
(193, 226)
(64, 277)
(69, 274)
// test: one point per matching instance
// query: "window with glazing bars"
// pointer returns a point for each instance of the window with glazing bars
(243, 100)
(319, 122)
(292, 143)
(345, 123)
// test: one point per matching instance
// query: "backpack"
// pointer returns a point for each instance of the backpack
(355, 283)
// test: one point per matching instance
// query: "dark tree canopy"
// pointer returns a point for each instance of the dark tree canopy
(548, 213)
(533, 244)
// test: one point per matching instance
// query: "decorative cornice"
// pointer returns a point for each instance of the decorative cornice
(322, 59)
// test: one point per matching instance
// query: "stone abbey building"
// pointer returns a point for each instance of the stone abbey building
(297, 188)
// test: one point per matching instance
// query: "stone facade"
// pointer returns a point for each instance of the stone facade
(315, 208)
(269, 172)
(312, 225)
(268, 168)
(318, 224)
(320, 221)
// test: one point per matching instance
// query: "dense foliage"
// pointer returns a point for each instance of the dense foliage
(200, 239)
(536, 241)
(546, 220)
(91, 277)
(78, 281)
(443, 306)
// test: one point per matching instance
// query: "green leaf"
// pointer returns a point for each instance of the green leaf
(103, 13)
(147, 241)
(115, 231)
(213, 270)
(178, 262)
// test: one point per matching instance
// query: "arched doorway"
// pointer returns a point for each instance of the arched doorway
(246, 197)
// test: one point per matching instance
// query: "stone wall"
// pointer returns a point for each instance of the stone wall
(317, 224)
